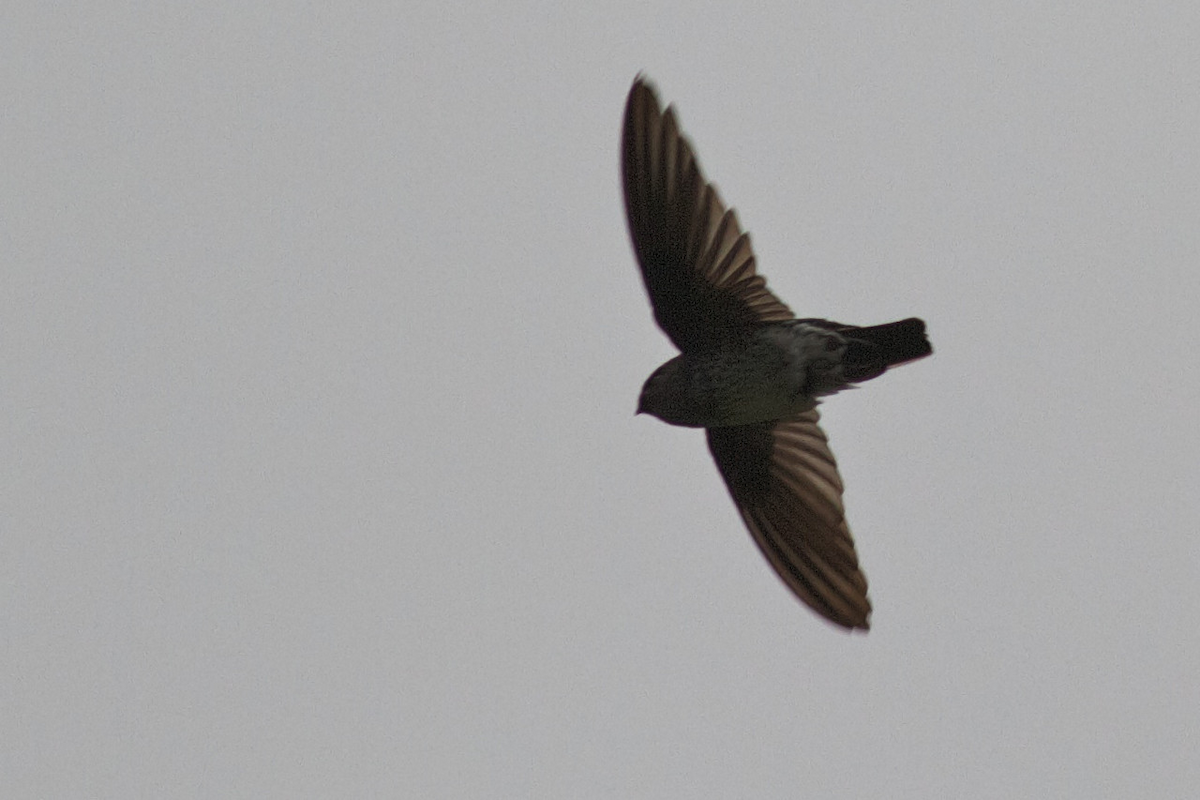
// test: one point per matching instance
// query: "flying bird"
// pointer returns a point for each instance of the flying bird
(749, 372)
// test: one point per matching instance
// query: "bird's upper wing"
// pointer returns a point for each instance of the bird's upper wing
(697, 263)
(785, 483)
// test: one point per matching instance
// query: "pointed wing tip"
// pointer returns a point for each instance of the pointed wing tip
(847, 621)
(850, 620)
(643, 86)
(863, 625)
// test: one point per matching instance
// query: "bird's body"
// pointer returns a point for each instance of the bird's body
(775, 370)
(749, 372)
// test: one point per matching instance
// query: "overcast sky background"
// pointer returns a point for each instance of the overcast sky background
(321, 338)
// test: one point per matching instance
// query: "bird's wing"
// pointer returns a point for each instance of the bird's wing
(697, 263)
(785, 483)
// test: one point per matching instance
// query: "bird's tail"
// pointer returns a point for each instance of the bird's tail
(872, 350)
(897, 342)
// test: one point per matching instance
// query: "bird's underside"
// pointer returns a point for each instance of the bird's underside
(777, 370)
(757, 402)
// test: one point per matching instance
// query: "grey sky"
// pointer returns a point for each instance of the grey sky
(322, 338)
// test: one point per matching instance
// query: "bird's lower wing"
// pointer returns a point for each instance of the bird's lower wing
(785, 483)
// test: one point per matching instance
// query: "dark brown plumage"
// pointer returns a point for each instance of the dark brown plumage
(749, 371)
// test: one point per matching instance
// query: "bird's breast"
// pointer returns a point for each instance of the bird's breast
(761, 378)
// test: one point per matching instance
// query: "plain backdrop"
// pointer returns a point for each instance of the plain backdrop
(320, 343)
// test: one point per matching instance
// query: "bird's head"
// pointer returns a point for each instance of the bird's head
(664, 395)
